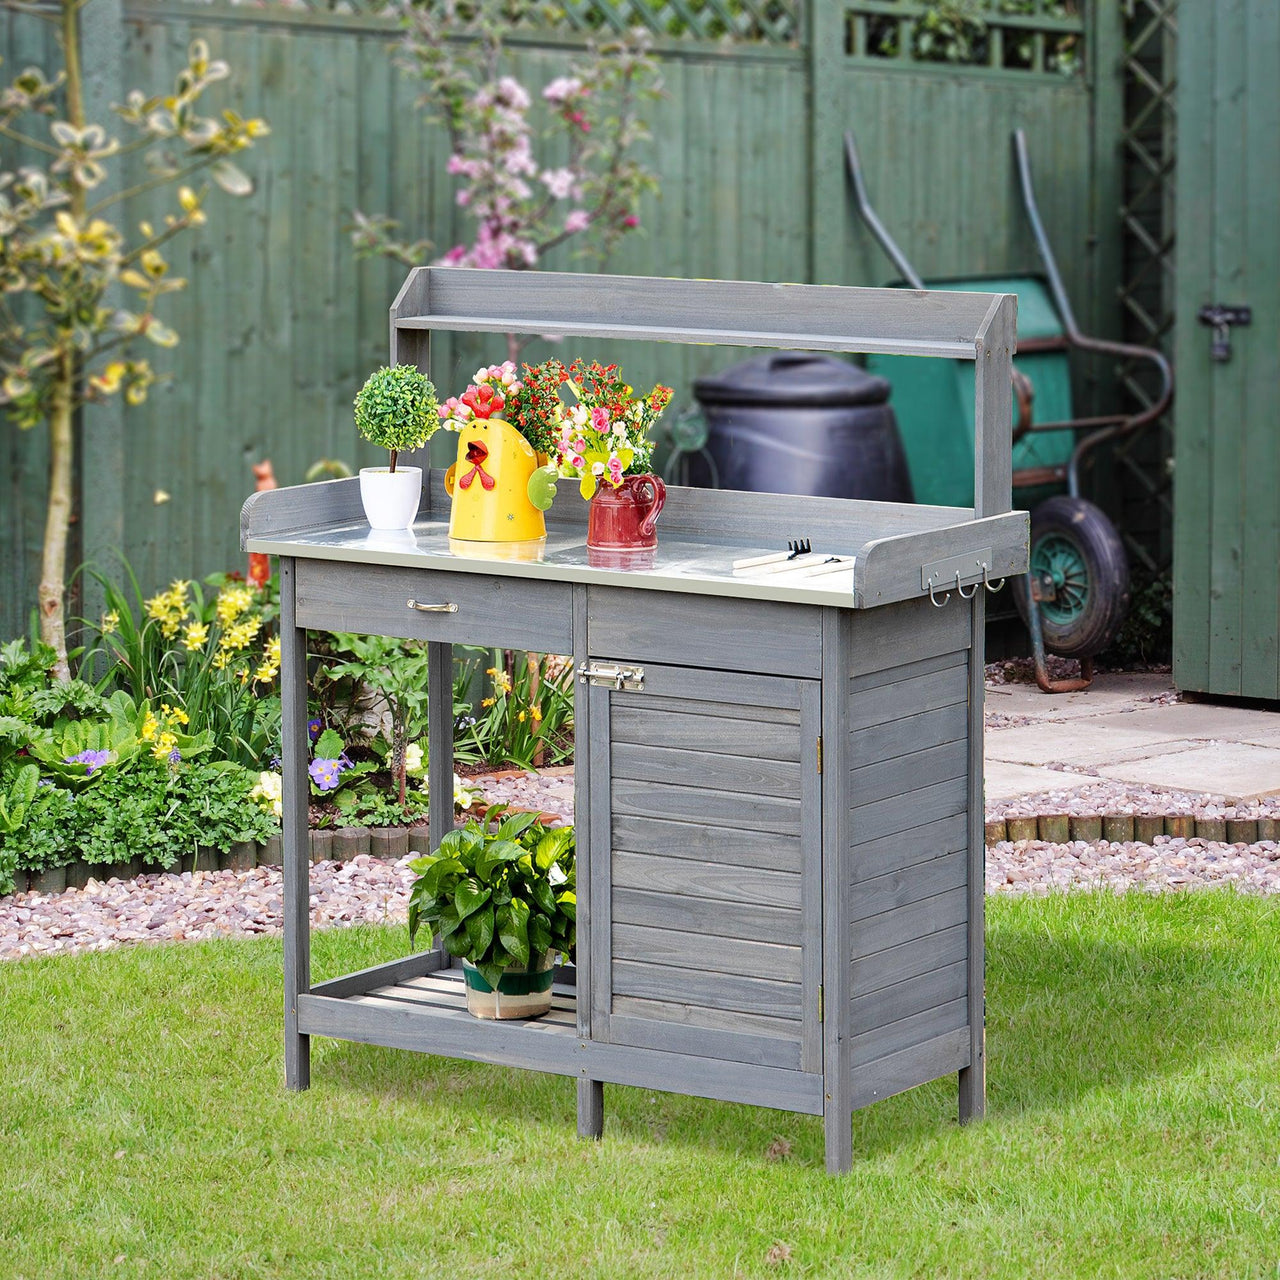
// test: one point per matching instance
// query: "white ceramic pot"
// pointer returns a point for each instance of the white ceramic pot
(390, 498)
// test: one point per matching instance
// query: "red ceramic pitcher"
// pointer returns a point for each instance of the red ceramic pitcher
(626, 517)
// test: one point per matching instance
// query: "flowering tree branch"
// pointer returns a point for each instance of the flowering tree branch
(520, 207)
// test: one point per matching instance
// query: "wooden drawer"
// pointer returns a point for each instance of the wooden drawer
(511, 613)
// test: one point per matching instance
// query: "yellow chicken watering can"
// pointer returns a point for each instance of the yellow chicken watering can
(489, 485)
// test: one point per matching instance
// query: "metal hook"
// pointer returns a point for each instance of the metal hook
(933, 600)
(960, 590)
(986, 582)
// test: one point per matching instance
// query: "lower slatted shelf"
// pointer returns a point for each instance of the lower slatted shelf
(428, 1012)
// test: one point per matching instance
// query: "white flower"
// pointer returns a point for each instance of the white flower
(415, 760)
(556, 875)
(268, 791)
(559, 182)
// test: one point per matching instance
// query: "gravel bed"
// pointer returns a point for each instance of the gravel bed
(368, 890)
(1033, 866)
(1089, 796)
(201, 904)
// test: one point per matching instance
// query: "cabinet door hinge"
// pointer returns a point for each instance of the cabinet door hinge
(819, 753)
(821, 1010)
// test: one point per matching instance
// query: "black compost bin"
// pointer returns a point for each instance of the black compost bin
(799, 422)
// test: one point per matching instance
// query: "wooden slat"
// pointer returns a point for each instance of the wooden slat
(919, 1028)
(928, 691)
(679, 949)
(909, 997)
(914, 920)
(700, 915)
(737, 1037)
(907, 959)
(895, 738)
(627, 707)
(897, 888)
(707, 990)
(715, 880)
(921, 844)
(903, 813)
(700, 804)
(903, 774)
(895, 635)
(711, 731)
(663, 764)
(707, 844)
(379, 975)
(897, 1072)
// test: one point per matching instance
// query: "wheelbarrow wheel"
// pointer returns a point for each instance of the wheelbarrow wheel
(1075, 546)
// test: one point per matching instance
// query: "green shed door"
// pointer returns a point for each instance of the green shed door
(1227, 412)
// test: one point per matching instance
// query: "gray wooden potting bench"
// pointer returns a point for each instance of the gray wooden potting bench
(778, 777)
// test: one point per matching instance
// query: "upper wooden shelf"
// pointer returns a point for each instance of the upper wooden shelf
(711, 312)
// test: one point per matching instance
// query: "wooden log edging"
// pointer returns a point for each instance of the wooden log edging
(1123, 828)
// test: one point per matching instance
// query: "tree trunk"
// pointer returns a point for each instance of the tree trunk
(53, 559)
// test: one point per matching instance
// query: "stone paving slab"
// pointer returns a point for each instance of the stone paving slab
(1083, 741)
(1109, 693)
(1006, 781)
(1236, 770)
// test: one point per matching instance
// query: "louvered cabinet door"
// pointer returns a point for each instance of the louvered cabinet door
(705, 849)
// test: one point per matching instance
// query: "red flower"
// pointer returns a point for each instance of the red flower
(484, 401)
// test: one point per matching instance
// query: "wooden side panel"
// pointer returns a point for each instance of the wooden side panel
(909, 829)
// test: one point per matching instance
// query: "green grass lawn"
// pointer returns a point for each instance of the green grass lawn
(1133, 1129)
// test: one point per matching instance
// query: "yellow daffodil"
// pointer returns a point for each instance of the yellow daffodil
(266, 672)
(196, 634)
(522, 717)
(232, 602)
(535, 714)
(486, 702)
(243, 675)
(273, 650)
(110, 621)
(502, 682)
(221, 660)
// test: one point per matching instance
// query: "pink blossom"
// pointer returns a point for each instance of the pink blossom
(562, 89)
(631, 221)
(578, 461)
(576, 117)
(615, 470)
(580, 445)
(600, 419)
(559, 182)
(578, 220)
(463, 197)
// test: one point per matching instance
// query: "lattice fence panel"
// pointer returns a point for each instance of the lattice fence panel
(775, 22)
(1146, 291)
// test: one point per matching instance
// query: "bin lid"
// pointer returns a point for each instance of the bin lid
(798, 378)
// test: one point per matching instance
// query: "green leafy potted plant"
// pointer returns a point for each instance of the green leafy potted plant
(502, 900)
(396, 410)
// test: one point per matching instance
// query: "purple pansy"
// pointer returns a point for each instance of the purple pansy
(92, 760)
(314, 729)
(325, 773)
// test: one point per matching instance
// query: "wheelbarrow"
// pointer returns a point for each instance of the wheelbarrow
(1076, 594)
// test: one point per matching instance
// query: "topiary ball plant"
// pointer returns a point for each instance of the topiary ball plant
(396, 409)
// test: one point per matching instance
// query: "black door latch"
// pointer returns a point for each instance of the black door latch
(1220, 319)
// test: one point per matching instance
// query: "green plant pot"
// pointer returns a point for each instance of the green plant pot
(521, 993)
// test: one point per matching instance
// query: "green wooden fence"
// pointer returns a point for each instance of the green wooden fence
(280, 324)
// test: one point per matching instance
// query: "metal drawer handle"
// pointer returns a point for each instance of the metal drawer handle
(431, 608)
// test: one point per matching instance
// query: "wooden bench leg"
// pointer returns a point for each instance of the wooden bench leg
(590, 1108)
(973, 1083)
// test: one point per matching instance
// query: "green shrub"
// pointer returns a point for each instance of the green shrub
(396, 409)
